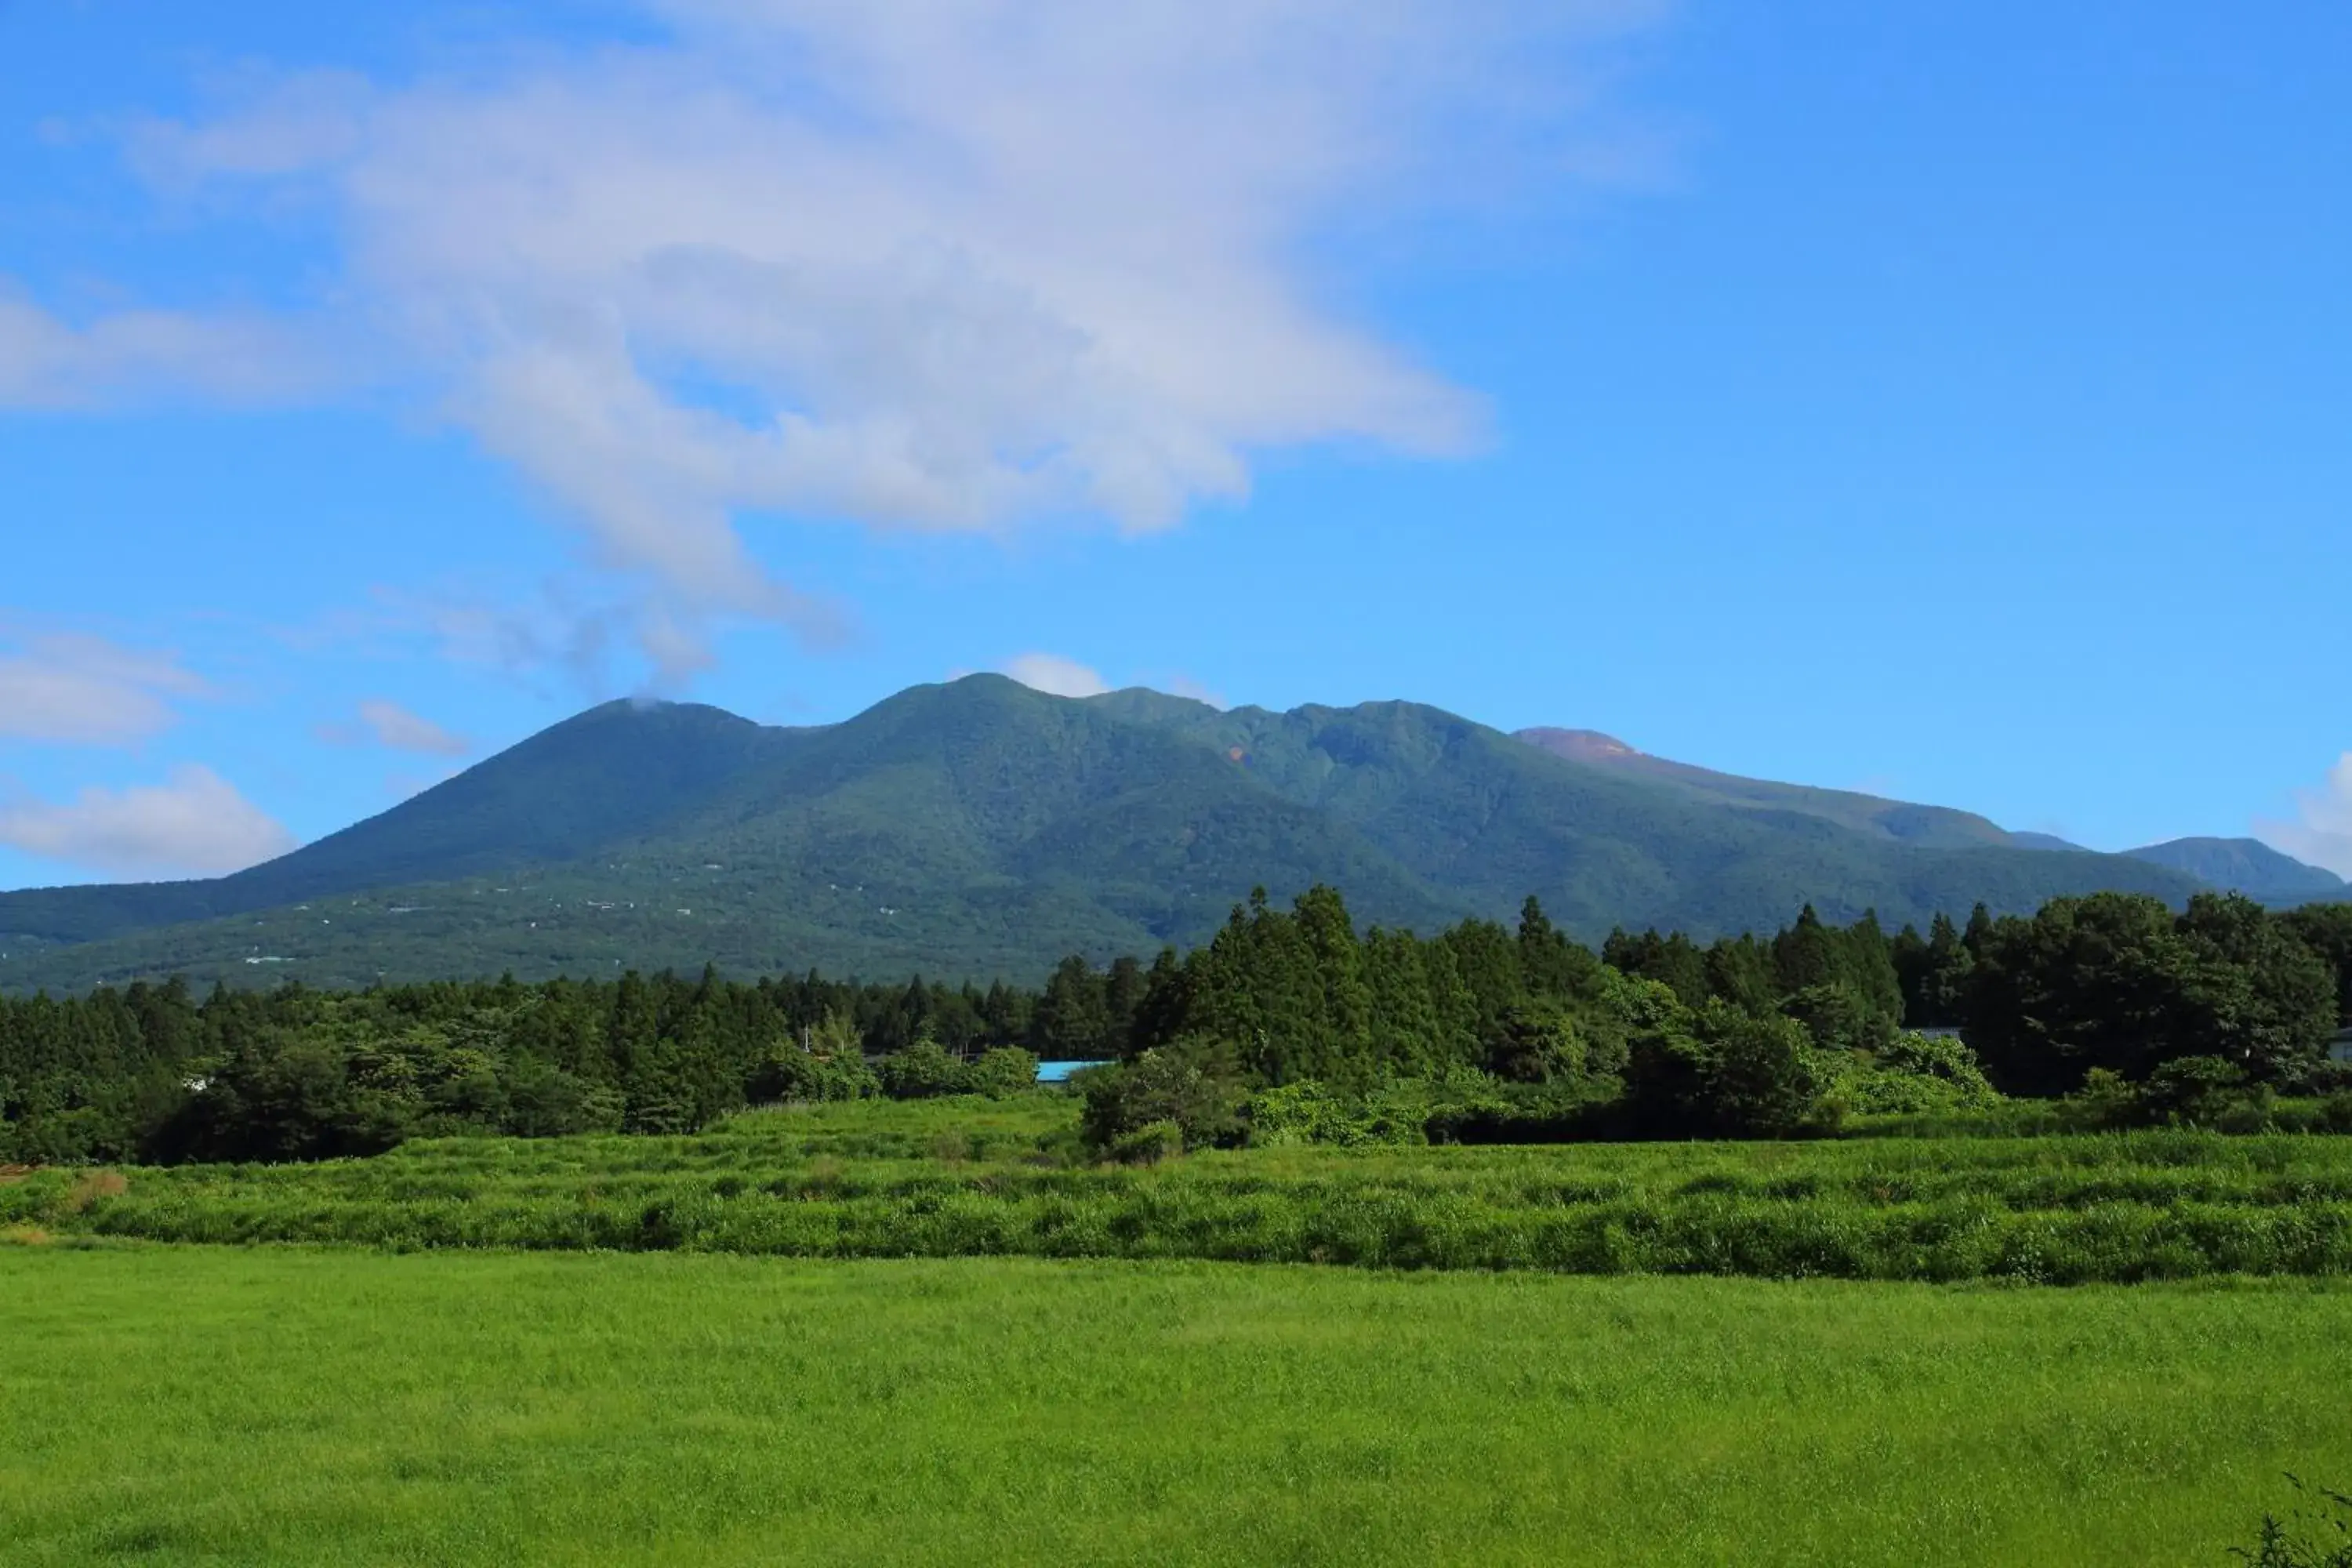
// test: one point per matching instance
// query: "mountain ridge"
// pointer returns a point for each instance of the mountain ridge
(2233, 865)
(980, 826)
(2245, 865)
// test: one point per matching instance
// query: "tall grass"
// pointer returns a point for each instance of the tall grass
(979, 1180)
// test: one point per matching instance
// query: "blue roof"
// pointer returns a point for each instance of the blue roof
(1055, 1072)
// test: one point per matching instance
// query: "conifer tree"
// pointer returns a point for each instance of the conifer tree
(1123, 991)
(1549, 963)
(1949, 959)
(1165, 1011)
(1741, 973)
(1869, 967)
(1453, 1005)
(1345, 1034)
(1406, 1037)
(1806, 954)
(1487, 959)
(1071, 1022)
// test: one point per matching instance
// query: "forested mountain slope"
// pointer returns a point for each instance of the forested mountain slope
(614, 773)
(980, 827)
(2229, 865)
(2246, 866)
(1926, 826)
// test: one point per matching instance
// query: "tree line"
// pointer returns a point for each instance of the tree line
(1652, 1035)
(2112, 982)
(1658, 1036)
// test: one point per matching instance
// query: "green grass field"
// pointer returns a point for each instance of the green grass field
(927, 1333)
(975, 1178)
(279, 1405)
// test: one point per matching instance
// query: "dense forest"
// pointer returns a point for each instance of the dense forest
(1286, 1019)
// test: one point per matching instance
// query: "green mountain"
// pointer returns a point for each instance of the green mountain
(2246, 866)
(613, 774)
(1926, 826)
(980, 827)
(2232, 864)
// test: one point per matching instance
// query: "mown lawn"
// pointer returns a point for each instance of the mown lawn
(279, 1405)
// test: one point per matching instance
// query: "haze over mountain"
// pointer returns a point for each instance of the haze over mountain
(982, 827)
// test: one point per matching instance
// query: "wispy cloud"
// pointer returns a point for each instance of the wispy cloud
(193, 823)
(958, 266)
(2321, 834)
(390, 725)
(1185, 686)
(1055, 676)
(142, 357)
(74, 689)
(396, 727)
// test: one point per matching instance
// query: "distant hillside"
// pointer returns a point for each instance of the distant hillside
(1926, 826)
(612, 773)
(980, 827)
(2231, 865)
(2245, 865)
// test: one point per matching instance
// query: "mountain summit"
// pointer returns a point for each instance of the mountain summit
(982, 827)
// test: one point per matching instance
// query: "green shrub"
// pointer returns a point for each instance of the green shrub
(2104, 1101)
(1194, 1082)
(1302, 1113)
(1724, 1072)
(2202, 1091)
(792, 1075)
(1148, 1144)
(1735, 1075)
(1840, 1018)
(922, 1070)
(1764, 1079)
(1912, 1074)
(544, 1101)
(1537, 1042)
(1007, 1070)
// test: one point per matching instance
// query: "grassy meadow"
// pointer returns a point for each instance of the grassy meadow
(932, 1332)
(978, 1178)
(294, 1405)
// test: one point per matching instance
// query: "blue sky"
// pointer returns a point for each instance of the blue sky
(1949, 402)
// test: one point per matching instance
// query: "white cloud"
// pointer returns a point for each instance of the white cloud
(953, 265)
(79, 690)
(195, 823)
(565, 631)
(396, 727)
(2322, 835)
(1055, 676)
(47, 363)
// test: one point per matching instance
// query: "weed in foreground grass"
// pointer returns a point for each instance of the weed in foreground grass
(2317, 1534)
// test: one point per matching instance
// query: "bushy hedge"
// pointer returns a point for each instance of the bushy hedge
(925, 1070)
